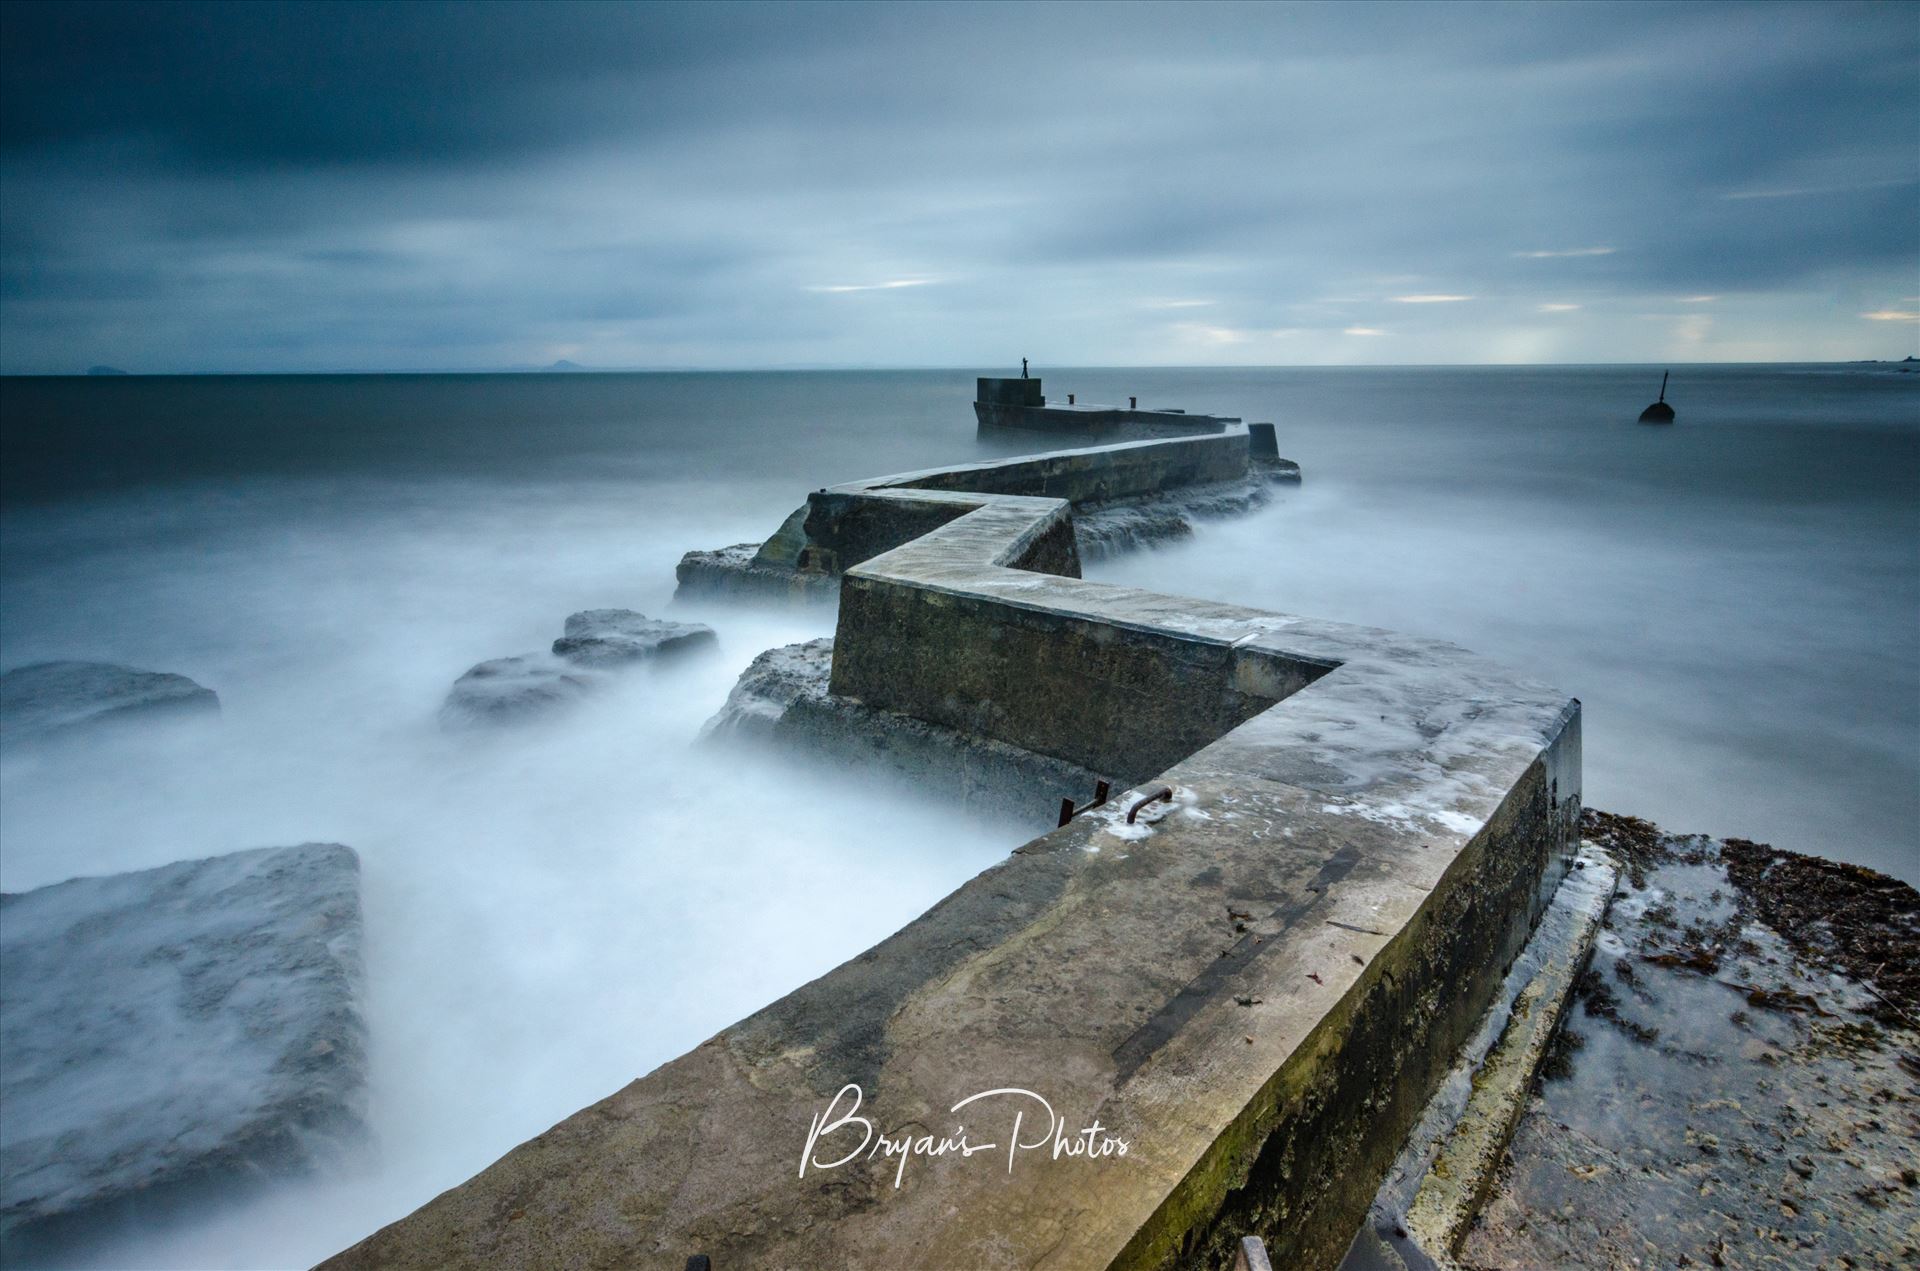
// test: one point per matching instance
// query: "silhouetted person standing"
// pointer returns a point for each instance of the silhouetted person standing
(1023, 368)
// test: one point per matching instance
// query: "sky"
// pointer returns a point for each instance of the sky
(202, 187)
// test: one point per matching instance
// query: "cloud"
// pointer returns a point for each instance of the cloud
(1207, 334)
(1803, 191)
(1363, 331)
(1564, 253)
(890, 285)
(1891, 315)
(202, 186)
(1558, 307)
(1692, 330)
(1429, 299)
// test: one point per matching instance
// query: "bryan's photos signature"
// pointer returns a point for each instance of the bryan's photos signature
(831, 1142)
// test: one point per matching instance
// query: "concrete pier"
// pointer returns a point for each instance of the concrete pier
(1107, 486)
(1020, 404)
(1255, 984)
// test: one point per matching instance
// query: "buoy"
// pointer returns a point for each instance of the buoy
(1659, 412)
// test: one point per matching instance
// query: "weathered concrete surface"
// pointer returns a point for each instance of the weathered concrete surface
(531, 686)
(1448, 1163)
(1739, 1084)
(1258, 986)
(175, 1030)
(1457, 1182)
(783, 699)
(1128, 495)
(49, 700)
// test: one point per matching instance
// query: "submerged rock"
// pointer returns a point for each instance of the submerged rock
(173, 1031)
(508, 690)
(596, 641)
(614, 637)
(51, 699)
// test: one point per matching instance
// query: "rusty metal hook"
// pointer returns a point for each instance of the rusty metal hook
(1163, 793)
(1101, 789)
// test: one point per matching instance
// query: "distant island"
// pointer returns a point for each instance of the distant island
(564, 365)
(105, 370)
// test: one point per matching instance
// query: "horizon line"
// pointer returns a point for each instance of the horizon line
(851, 367)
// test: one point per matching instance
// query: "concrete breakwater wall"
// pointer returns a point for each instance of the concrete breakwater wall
(1021, 404)
(1253, 984)
(1119, 491)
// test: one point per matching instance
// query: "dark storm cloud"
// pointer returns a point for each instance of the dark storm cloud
(259, 186)
(256, 83)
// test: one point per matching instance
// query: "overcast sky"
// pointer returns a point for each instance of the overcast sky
(205, 187)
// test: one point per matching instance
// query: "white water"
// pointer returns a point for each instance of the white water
(550, 911)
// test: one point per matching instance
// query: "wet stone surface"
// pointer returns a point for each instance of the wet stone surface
(175, 1034)
(617, 637)
(1739, 1082)
(53, 700)
(594, 643)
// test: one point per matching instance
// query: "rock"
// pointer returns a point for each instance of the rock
(176, 1030)
(49, 699)
(509, 690)
(596, 641)
(741, 572)
(782, 700)
(615, 637)
(769, 687)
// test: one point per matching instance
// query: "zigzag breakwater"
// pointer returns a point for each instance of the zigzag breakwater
(1254, 980)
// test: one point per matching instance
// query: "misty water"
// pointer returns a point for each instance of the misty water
(552, 911)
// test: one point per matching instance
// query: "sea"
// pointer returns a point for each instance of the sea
(555, 910)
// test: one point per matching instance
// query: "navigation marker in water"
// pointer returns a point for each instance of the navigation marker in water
(1659, 412)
